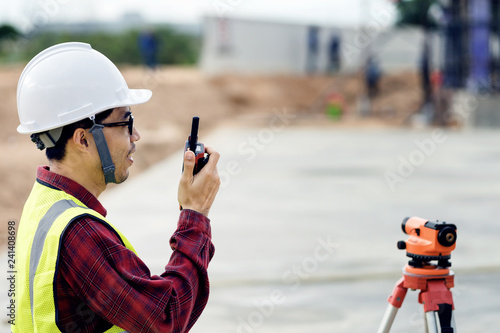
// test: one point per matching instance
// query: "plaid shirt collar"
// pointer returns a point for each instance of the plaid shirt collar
(48, 178)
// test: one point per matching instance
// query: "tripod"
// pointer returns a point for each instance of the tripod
(434, 284)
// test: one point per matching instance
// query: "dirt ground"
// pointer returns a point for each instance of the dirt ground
(180, 93)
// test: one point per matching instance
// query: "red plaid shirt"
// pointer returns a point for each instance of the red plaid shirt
(99, 281)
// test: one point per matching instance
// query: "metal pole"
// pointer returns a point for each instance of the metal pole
(388, 319)
(431, 322)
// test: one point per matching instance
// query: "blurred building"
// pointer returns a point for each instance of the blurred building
(249, 46)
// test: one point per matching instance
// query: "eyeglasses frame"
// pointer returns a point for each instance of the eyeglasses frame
(129, 123)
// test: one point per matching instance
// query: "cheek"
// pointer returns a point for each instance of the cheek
(122, 150)
(94, 153)
(119, 146)
(119, 154)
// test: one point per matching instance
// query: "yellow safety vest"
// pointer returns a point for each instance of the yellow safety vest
(46, 215)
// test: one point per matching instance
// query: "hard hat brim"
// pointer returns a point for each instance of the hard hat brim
(137, 96)
(133, 97)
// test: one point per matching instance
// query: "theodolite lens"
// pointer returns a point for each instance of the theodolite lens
(447, 236)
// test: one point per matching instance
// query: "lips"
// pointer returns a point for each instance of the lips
(129, 156)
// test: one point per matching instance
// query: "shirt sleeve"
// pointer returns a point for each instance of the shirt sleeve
(118, 286)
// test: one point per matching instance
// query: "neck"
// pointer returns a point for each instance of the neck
(81, 175)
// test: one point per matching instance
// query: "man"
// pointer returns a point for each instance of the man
(76, 272)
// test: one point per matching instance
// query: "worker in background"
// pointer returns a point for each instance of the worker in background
(427, 110)
(148, 46)
(76, 272)
(312, 49)
(372, 76)
(334, 54)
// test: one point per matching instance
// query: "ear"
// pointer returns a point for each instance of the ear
(81, 140)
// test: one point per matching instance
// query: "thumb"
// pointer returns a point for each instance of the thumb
(188, 164)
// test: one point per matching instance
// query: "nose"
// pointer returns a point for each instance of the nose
(136, 135)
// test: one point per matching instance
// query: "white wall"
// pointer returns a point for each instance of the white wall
(252, 47)
(262, 47)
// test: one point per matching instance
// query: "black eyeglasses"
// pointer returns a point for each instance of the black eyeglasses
(129, 123)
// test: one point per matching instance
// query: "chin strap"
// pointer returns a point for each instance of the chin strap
(108, 168)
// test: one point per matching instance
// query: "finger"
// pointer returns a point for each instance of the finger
(188, 165)
(214, 156)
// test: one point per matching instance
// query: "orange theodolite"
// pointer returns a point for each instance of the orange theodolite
(429, 246)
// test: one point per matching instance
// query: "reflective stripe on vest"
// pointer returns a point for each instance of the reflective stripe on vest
(41, 233)
(47, 214)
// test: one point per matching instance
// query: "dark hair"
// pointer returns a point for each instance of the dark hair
(58, 152)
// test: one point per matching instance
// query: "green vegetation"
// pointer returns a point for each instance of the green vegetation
(415, 12)
(8, 37)
(8, 31)
(121, 48)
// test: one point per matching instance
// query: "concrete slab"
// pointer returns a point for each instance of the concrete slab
(307, 219)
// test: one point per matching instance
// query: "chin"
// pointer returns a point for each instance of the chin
(122, 178)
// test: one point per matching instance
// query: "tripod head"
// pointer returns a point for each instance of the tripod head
(428, 241)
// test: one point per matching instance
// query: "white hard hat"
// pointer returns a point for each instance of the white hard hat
(69, 82)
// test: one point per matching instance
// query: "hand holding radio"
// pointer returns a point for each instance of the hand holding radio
(200, 179)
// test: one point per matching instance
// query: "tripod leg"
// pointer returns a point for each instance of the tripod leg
(425, 323)
(388, 319)
(453, 322)
(431, 322)
(446, 323)
(438, 301)
(395, 301)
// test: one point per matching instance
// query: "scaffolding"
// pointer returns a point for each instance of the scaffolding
(471, 55)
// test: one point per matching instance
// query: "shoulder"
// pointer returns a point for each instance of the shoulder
(88, 233)
(88, 243)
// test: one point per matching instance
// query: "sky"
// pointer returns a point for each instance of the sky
(25, 13)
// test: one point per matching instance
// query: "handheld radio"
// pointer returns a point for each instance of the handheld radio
(198, 148)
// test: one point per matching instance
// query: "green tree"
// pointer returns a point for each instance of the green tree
(121, 48)
(415, 12)
(8, 32)
(8, 37)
